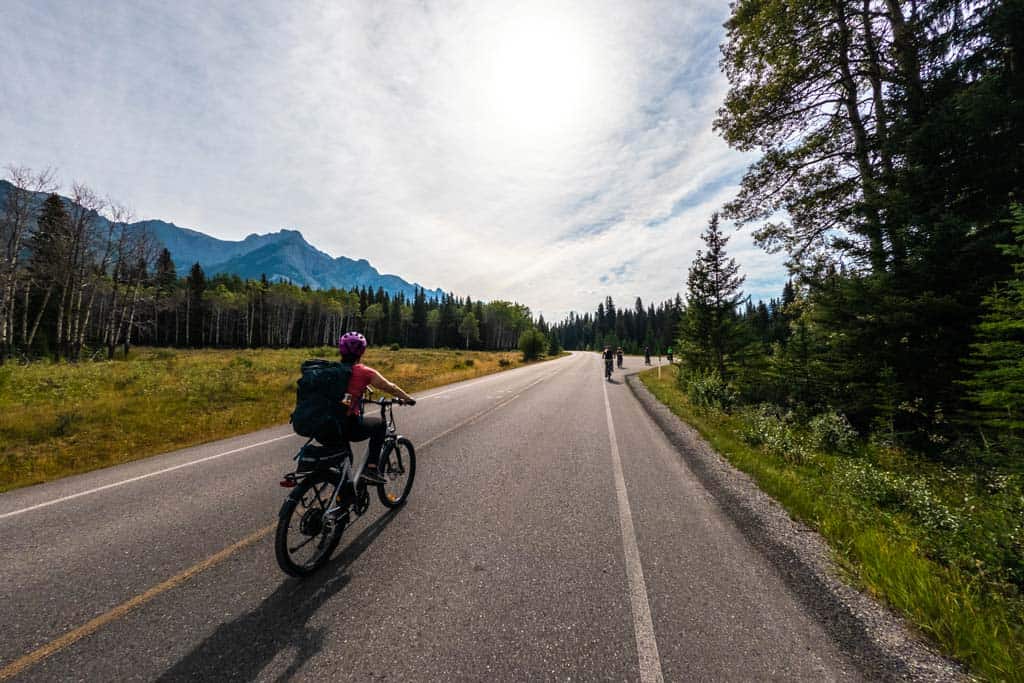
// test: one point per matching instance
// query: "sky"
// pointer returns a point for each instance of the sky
(551, 152)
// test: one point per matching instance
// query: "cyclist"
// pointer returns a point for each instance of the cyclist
(670, 354)
(647, 355)
(609, 358)
(355, 425)
(618, 354)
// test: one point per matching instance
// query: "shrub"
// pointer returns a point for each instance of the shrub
(756, 422)
(504, 362)
(707, 390)
(553, 347)
(774, 431)
(532, 343)
(832, 433)
(469, 362)
(394, 346)
(908, 494)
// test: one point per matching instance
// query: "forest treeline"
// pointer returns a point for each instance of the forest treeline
(657, 328)
(74, 286)
(892, 142)
(633, 329)
(891, 137)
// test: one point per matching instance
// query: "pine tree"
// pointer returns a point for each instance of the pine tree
(419, 318)
(194, 306)
(48, 245)
(710, 335)
(166, 274)
(997, 358)
(554, 348)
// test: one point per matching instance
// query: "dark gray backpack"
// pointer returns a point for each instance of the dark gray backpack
(318, 396)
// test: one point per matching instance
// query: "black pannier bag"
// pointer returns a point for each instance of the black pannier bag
(318, 396)
(313, 457)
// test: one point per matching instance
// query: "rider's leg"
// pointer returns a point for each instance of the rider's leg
(376, 430)
(372, 428)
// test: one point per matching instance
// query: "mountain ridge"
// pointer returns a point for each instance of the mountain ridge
(282, 255)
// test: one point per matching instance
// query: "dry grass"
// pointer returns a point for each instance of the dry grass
(60, 419)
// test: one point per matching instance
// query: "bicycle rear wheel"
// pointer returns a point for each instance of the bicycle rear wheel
(398, 467)
(306, 536)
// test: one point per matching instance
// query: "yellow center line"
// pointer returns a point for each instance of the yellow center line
(90, 627)
(38, 655)
(485, 411)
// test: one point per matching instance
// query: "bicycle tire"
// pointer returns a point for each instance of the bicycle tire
(307, 522)
(403, 457)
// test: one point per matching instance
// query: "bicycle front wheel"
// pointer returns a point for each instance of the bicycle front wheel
(398, 467)
(306, 534)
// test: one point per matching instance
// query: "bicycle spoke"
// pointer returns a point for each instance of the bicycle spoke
(308, 539)
(398, 470)
(316, 496)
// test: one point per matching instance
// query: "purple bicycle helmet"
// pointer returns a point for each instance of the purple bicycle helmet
(351, 344)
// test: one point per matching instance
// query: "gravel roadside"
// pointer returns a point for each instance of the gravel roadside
(879, 642)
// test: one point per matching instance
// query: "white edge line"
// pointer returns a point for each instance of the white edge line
(643, 626)
(141, 476)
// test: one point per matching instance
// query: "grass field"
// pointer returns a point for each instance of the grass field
(941, 546)
(61, 419)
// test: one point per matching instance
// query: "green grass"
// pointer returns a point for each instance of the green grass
(943, 547)
(61, 419)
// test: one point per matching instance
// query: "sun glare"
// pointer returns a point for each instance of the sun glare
(539, 77)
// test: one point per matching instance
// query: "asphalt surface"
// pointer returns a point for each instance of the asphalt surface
(510, 561)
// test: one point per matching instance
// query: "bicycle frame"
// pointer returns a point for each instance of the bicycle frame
(346, 474)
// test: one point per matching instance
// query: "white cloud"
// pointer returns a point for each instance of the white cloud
(520, 150)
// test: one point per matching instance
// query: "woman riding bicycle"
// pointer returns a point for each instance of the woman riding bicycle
(354, 425)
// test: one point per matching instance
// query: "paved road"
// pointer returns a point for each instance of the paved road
(553, 533)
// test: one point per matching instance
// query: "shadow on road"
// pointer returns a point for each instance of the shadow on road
(239, 650)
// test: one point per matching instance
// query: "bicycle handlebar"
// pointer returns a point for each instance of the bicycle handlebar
(390, 402)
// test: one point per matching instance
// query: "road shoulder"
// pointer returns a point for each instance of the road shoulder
(876, 639)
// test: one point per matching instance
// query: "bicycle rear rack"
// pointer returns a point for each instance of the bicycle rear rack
(290, 480)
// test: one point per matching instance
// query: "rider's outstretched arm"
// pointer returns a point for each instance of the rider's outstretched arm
(381, 382)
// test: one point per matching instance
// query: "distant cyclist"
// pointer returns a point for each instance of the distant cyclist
(669, 353)
(618, 354)
(609, 358)
(355, 425)
(647, 355)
